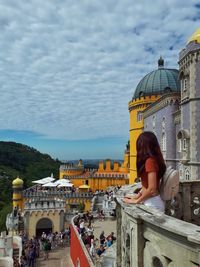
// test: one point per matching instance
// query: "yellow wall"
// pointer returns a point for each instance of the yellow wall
(136, 128)
(35, 216)
(70, 172)
(99, 183)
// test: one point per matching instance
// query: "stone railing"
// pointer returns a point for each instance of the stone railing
(147, 237)
(186, 205)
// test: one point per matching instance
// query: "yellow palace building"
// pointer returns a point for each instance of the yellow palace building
(106, 175)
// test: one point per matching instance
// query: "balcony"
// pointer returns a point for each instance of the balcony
(147, 237)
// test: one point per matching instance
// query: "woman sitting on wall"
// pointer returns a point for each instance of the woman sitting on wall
(151, 168)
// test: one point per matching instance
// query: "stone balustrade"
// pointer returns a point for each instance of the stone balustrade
(186, 205)
(147, 237)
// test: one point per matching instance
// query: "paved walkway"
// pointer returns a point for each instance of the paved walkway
(60, 257)
(107, 226)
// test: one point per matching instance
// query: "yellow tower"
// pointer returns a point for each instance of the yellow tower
(126, 164)
(149, 90)
(136, 108)
(17, 185)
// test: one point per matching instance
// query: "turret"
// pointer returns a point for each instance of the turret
(108, 165)
(101, 166)
(116, 166)
(17, 186)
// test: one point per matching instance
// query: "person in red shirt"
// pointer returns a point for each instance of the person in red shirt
(150, 168)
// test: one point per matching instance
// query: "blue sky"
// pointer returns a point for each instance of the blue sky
(68, 68)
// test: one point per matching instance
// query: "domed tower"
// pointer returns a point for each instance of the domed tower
(149, 90)
(17, 185)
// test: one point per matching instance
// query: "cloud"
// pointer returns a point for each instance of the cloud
(69, 68)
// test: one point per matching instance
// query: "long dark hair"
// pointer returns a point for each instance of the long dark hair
(147, 146)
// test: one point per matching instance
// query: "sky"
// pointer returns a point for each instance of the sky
(69, 68)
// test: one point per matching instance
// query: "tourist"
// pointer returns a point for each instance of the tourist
(46, 249)
(151, 168)
(111, 237)
(93, 248)
(100, 250)
(23, 261)
(82, 226)
(31, 257)
(109, 241)
(102, 238)
(16, 262)
(67, 235)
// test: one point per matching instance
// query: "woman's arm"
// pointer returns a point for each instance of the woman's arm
(146, 193)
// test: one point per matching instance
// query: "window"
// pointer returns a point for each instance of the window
(184, 144)
(180, 173)
(180, 145)
(164, 142)
(154, 122)
(163, 124)
(185, 85)
(187, 175)
(139, 116)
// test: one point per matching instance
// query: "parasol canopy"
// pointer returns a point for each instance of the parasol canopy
(44, 180)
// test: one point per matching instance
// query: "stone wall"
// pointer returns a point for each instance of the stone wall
(147, 237)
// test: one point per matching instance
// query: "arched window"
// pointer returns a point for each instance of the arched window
(164, 141)
(154, 123)
(184, 144)
(139, 115)
(163, 124)
(181, 174)
(187, 175)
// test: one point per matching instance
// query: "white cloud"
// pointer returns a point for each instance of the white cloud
(69, 68)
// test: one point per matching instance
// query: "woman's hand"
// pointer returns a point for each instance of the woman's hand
(135, 196)
(130, 200)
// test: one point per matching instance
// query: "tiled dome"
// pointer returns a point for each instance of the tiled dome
(158, 82)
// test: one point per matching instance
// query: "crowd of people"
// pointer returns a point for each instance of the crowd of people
(96, 246)
(40, 247)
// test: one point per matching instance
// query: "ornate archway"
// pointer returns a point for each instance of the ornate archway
(44, 225)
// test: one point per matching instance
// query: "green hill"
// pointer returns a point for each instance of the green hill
(27, 163)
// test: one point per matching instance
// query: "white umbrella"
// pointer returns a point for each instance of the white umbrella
(62, 181)
(44, 180)
(65, 185)
(50, 184)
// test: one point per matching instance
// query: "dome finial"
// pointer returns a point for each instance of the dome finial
(195, 37)
(160, 62)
